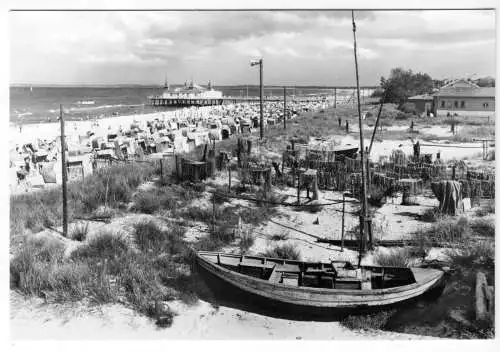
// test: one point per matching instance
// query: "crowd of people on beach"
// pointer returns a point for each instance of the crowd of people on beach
(34, 162)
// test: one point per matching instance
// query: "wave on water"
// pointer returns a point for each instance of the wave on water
(92, 108)
(21, 114)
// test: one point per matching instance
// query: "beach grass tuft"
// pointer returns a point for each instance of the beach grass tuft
(373, 321)
(80, 231)
(283, 251)
(394, 258)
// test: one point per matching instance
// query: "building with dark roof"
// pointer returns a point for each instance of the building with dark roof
(465, 98)
(424, 104)
(460, 97)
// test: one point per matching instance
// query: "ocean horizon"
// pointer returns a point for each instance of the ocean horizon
(40, 103)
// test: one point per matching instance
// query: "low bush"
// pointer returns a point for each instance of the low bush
(283, 236)
(409, 108)
(146, 202)
(403, 116)
(284, 251)
(431, 215)
(198, 213)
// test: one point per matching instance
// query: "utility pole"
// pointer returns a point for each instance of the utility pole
(64, 174)
(364, 205)
(260, 62)
(261, 98)
(284, 108)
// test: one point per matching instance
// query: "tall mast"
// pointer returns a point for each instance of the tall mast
(364, 203)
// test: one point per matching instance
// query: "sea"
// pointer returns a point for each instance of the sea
(39, 104)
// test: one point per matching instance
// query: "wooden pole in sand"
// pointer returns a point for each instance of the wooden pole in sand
(364, 203)
(343, 217)
(213, 212)
(64, 174)
(229, 185)
(376, 121)
(298, 188)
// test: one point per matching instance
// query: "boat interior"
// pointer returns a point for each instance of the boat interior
(333, 275)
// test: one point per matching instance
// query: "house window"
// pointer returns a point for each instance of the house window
(462, 104)
(456, 103)
(485, 105)
(443, 104)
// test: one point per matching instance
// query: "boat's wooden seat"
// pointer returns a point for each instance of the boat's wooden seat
(275, 276)
(290, 279)
(321, 272)
(255, 265)
(347, 274)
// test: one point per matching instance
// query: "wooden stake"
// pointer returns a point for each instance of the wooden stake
(376, 121)
(229, 185)
(343, 217)
(213, 212)
(161, 171)
(64, 174)
(261, 72)
(298, 188)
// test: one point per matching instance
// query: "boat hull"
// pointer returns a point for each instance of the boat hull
(318, 299)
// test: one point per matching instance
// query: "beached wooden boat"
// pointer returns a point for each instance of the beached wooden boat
(337, 284)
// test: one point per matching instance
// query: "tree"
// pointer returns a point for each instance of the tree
(485, 82)
(403, 84)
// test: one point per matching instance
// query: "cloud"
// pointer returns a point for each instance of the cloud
(306, 46)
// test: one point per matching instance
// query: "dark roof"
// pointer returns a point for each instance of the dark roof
(465, 89)
(421, 97)
(488, 92)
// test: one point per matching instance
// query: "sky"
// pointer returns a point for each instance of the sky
(298, 47)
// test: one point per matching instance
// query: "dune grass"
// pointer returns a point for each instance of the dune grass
(110, 187)
(396, 258)
(283, 251)
(449, 230)
(373, 321)
(483, 227)
(80, 231)
(282, 236)
(155, 266)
